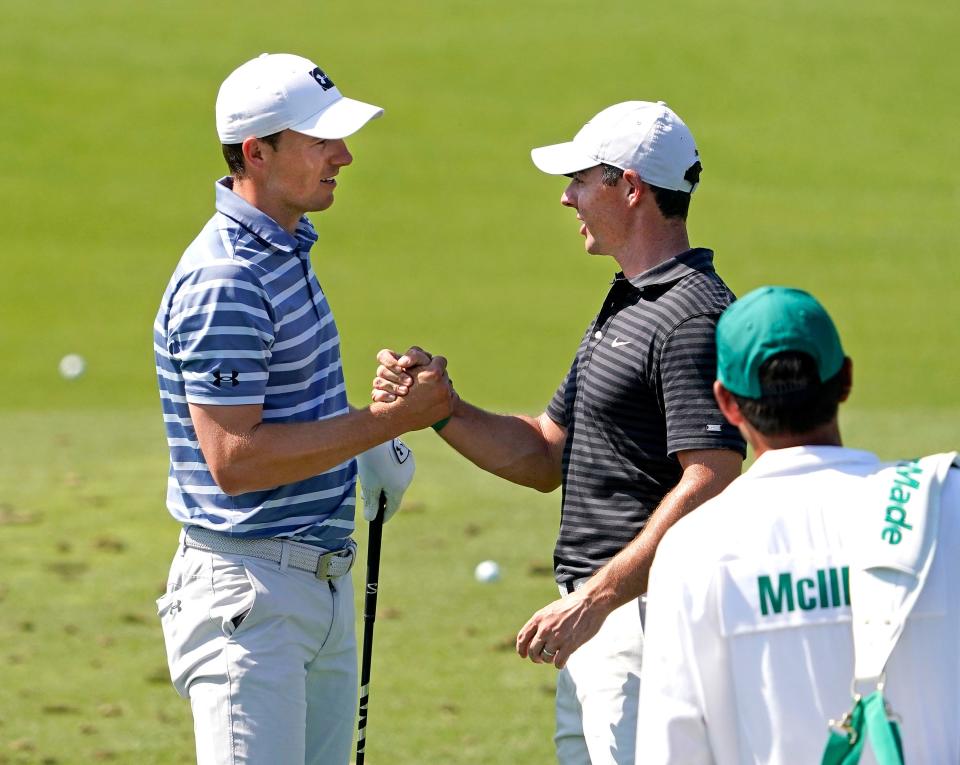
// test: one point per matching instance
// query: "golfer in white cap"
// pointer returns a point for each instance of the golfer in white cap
(258, 614)
(633, 432)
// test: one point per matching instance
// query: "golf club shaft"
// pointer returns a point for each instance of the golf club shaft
(369, 617)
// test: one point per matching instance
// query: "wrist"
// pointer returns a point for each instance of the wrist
(457, 409)
(599, 594)
(460, 406)
(388, 421)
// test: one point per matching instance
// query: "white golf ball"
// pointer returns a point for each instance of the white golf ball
(487, 571)
(72, 366)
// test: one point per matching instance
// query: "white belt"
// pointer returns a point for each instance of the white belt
(319, 562)
(573, 585)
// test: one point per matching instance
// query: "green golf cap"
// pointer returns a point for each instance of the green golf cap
(768, 321)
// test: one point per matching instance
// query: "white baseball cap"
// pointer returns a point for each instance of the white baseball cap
(277, 91)
(643, 136)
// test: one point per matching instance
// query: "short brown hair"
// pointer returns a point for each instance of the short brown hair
(794, 399)
(672, 204)
(233, 154)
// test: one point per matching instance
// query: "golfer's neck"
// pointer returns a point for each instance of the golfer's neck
(267, 204)
(651, 246)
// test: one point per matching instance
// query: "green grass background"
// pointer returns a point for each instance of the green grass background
(828, 134)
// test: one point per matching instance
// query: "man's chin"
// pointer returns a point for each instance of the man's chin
(591, 248)
(323, 204)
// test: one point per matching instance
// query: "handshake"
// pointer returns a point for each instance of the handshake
(414, 389)
(414, 392)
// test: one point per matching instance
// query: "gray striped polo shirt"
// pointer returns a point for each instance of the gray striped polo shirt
(639, 391)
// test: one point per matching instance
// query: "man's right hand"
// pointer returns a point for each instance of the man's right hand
(417, 391)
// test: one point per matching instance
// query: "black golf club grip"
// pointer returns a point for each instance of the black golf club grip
(369, 617)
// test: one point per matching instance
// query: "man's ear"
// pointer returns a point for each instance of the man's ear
(636, 188)
(728, 404)
(253, 153)
(846, 379)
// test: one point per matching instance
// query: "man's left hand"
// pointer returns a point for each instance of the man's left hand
(557, 630)
(386, 468)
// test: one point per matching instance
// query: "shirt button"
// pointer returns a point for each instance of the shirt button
(597, 335)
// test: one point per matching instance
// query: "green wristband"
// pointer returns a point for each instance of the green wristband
(438, 426)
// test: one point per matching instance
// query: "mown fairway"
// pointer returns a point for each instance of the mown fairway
(828, 138)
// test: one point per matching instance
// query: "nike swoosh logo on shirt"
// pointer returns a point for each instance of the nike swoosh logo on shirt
(617, 343)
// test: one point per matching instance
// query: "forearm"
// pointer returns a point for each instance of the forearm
(569, 622)
(513, 446)
(266, 455)
(524, 450)
(626, 575)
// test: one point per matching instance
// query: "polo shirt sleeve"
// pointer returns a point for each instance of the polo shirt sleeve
(559, 408)
(687, 369)
(221, 333)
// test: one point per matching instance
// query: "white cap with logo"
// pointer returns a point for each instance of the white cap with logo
(643, 136)
(279, 91)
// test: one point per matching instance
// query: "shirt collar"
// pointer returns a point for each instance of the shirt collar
(260, 224)
(802, 459)
(674, 269)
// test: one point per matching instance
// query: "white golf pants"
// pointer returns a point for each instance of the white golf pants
(266, 655)
(598, 692)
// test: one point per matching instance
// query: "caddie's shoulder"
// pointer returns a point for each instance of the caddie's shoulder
(949, 531)
(703, 533)
(951, 488)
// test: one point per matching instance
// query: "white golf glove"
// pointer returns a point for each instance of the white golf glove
(385, 468)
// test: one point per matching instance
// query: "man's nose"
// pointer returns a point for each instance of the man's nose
(342, 157)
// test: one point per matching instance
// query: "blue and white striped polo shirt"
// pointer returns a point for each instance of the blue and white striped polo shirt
(244, 321)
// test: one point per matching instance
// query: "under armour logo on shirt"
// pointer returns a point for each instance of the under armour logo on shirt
(321, 77)
(714, 428)
(219, 378)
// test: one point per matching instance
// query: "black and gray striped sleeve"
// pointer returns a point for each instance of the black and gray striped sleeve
(558, 409)
(687, 369)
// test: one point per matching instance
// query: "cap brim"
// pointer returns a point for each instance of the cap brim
(562, 159)
(343, 117)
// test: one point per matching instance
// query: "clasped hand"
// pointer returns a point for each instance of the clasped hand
(414, 386)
